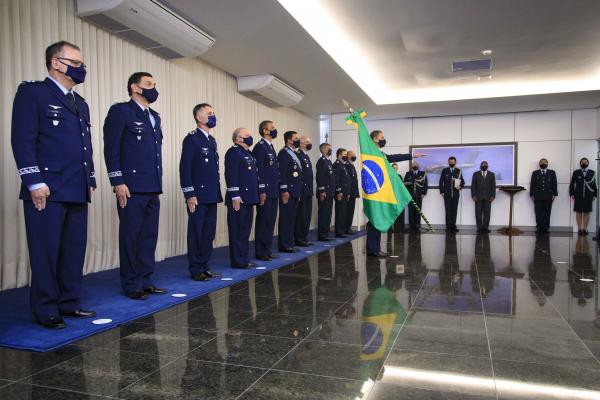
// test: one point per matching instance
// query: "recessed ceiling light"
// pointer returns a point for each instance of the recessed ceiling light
(486, 52)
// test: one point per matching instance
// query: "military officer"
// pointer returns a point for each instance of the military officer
(200, 183)
(133, 155)
(268, 171)
(354, 194)
(243, 189)
(544, 189)
(415, 181)
(373, 235)
(451, 183)
(290, 188)
(302, 224)
(325, 192)
(52, 147)
(342, 191)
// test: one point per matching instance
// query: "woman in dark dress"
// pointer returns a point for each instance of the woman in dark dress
(583, 190)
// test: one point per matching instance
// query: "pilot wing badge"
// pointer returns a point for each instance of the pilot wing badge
(384, 194)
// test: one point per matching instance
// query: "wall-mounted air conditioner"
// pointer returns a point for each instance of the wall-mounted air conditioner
(148, 24)
(268, 90)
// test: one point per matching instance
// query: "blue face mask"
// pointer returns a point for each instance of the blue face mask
(296, 143)
(273, 133)
(77, 74)
(309, 147)
(329, 152)
(344, 158)
(150, 94)
(382, 143)
(248, 141)
(212, 121)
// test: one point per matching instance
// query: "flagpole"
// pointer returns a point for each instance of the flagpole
(412, 200)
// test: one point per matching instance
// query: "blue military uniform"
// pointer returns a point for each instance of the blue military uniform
(354, 194)
(302, 224)
(543, 187)
(416, 183)
(268, 171)
(241, 177)
(133, 154)
(373, 235)
(290, 180)
(325, 184)
(199, 177)
(342, 186)
(52, 144)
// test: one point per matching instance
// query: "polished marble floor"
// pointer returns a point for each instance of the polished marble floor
(462, 316)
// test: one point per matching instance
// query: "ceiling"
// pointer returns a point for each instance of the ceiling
(407, 47)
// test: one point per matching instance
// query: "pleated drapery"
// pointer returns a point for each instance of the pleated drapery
(27, 27)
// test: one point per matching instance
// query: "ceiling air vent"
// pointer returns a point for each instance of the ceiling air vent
(472, 65)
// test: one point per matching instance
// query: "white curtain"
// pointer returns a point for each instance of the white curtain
(26, 28)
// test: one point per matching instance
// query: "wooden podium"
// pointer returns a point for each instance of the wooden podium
(511, 190)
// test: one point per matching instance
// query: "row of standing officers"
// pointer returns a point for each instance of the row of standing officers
(52, 146)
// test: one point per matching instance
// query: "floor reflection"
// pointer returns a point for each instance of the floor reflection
(466, 316)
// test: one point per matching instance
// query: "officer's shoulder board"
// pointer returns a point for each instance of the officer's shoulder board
(32, 82)
(78, 95)
(192, 132)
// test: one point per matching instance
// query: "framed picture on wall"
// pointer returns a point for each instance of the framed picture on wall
(501, 157)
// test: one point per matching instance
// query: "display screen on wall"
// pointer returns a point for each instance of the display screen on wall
(501, 157)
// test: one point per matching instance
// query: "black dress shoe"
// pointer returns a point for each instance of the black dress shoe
(350, 232)
(211, 274)
(251, 265)
(54, 323)
(155, 290)
(378, 255)
(273, 256)
(78, 314)
(301, 243)
(263, 258)
(139, 295)
(245, 266)
(288, 250)
(340, 235)
(324, 239)
(201, 277)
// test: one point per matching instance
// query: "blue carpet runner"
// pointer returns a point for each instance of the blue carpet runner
(102, 293)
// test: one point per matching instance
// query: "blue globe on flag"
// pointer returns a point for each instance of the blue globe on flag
(371, 337)
(372, 177)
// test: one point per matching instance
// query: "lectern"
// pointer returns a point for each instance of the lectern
(511, 190)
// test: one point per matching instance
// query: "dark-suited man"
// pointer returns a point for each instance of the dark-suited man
(451, 183)
(483, 192)
(268, 172)
(52, 147)
(416, 183)
(325, 192)
(132, 151)
(244, 190)
(342, 191)
(354, 193)
(543, 188)
(302, 224)
(290, 188)
(200, 183)
(373, 235)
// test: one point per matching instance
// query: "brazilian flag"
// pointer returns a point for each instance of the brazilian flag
(384, 194)
(382, 317)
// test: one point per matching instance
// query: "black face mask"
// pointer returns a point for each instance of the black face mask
(452, 165)
(583, 165)
(484, 167)
(543, 166)
(353, 159)
(309, 147)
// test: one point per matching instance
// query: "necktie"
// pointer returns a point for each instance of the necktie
(147, 114)
(71, 101)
